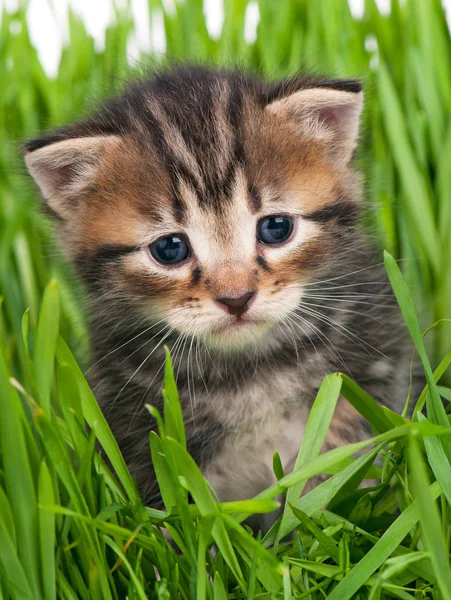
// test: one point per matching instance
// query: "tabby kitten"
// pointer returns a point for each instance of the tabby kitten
(216, 213)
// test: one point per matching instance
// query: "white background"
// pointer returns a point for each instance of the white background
(47, 20)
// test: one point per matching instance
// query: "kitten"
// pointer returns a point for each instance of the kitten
(217, 213)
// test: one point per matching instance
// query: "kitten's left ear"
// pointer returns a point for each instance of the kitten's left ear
(65, 169)
(325, 114)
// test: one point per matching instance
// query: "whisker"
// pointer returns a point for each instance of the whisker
(128, 342)
(141, 365)
(374, 266)
(346, 310)
(178, 354)
(294, 318)
(143, 397)
(129, 356)
(332, 348)
(346, 331)
(200, 368)
(291, 339)
(192, 397)
(347, 285)
(352, 297)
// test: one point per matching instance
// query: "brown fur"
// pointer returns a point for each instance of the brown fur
(207, 155)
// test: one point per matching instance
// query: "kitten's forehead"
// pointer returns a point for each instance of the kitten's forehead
(208, 160)
(198, 130)
(219, 137)
(199, 140)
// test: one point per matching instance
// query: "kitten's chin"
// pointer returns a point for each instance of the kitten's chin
(238, 335)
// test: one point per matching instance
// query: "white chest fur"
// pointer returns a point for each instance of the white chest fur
(266, 418)
(244, 466)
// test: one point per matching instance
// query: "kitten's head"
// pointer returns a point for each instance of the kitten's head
(206, 199)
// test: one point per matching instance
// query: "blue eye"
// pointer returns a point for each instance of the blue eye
(275, 229)
(170, 250)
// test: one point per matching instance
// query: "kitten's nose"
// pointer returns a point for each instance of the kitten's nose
(236, 306)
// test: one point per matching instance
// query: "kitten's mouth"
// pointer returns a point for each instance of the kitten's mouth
(241, 322)
(238, 323)
(239, 331)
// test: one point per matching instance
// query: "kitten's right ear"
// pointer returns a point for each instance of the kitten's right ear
(325, 114)
(65, 170)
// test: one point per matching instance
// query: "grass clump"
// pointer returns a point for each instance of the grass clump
(72, 524)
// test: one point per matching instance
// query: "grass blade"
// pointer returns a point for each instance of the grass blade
(382, 550)
(47, 534)
(46, 338)
(430, 519)
(19, 482)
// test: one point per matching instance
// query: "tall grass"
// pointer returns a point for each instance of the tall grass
(72, 524)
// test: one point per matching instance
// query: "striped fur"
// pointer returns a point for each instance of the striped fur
(206, 153)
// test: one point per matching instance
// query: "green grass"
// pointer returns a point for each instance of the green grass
(72, 524)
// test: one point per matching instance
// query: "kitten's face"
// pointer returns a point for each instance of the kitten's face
(216, 237)
(227, 276)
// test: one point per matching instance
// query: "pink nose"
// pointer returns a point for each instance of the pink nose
(236, 306)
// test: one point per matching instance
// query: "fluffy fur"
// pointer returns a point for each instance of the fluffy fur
(206, 154)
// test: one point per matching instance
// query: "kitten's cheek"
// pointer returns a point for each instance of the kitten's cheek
(277, 306)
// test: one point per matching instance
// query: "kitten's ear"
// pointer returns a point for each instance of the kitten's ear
(65, 170)
(325, 114)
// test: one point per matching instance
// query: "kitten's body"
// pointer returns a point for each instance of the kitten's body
(211, 154)
(240, 408)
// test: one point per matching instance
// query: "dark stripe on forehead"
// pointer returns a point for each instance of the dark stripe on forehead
(176, 169)
(226, 185)
(179, 172)
(234, 116)
(178, 208)
(254, 199)
(345, 212)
